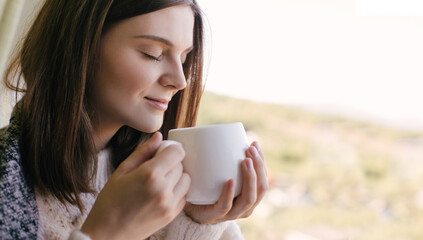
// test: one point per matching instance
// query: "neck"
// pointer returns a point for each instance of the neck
(103, 132)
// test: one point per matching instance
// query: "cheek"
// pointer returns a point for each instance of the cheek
(127, 71)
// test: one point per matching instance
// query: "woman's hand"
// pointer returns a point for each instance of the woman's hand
(254, 186)
(142, 195)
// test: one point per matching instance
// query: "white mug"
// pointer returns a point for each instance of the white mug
(213, 155)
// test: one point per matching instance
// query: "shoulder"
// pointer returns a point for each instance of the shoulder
(3, 136)
(9, 137)
(18, 207)
(10, 164)
(10, 144)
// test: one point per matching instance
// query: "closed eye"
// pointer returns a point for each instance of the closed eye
(151, 57)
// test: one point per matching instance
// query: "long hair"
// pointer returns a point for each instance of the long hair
(56, 63)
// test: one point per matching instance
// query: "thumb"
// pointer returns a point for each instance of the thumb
(141, 154)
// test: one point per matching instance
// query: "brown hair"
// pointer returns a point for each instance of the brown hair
(56, 61)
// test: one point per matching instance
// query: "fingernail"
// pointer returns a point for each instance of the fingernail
(253, 151)
(249, 154)
(156, 134)
(231, 184)
(249, 164)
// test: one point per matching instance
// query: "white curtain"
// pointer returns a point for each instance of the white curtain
(10, 15)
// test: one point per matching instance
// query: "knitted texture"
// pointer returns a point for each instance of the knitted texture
(182, 227)
(57, 219)
(18, 207)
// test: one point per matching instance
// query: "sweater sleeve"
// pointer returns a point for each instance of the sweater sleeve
(182, 227)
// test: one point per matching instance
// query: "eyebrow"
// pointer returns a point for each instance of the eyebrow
(160, 39)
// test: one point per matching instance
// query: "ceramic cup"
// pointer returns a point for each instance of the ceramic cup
(213, 155)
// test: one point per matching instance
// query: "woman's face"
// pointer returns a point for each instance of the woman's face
(140, 68)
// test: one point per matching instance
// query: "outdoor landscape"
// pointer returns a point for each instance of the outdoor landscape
(331, 178)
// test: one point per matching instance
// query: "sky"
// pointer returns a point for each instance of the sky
(362, 58)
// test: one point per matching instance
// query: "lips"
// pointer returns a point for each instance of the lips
(158, 103)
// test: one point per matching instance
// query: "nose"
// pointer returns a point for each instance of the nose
(174, 76)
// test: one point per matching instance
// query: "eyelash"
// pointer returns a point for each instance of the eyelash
(150, 57)
(158, 59)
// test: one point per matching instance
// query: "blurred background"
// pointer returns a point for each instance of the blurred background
(332, 91)
(337, 56)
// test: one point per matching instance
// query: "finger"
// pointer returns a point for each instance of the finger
(181, 188)
(225, 201)
(141, 154)
(181, 204)
(262, 181)
(173, 176)
(247, 214)
(248, 195)
(257, 146)
(261, 172)
(248, 152)
(167, 159)
(211, 214)
(254, 153)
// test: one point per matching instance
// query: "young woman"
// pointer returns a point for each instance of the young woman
(104, 81)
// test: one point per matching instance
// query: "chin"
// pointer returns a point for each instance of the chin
(151, 130)
(146, 123)
(151, 127)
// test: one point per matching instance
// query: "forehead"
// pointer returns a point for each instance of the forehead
(175, 24)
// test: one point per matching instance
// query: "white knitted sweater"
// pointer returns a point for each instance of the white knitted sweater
(62, 221)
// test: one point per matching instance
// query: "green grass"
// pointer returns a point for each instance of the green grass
(360, 180)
